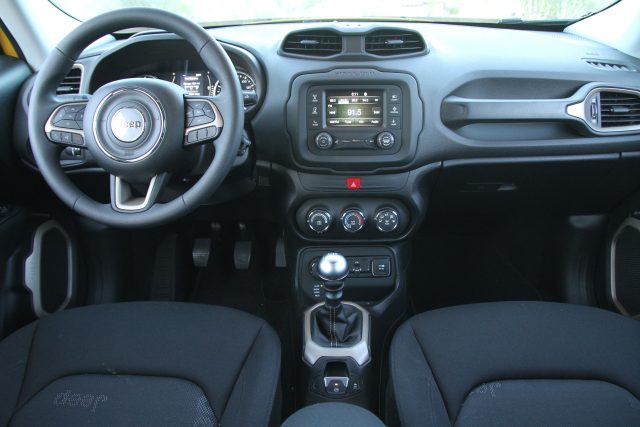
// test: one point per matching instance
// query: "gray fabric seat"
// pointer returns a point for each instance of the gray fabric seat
(516, 363)
(143, 363)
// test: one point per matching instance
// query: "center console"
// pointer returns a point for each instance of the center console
(346, 126)
(350, 296)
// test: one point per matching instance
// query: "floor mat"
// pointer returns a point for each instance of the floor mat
(263, 291)
(464, 265)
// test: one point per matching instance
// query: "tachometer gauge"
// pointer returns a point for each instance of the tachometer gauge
(217, 88)
(247, 84)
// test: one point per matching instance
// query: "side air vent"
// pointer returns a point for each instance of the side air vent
(71, 83)
(313, 43)
(619, 109)
(609, 109)
(393, 42)
(609, 66)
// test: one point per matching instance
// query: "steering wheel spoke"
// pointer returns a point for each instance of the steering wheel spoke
(128, 197)
(66, 122)
(203, 120)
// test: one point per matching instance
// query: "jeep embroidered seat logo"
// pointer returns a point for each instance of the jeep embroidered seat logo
(127, 124)
(71, 400)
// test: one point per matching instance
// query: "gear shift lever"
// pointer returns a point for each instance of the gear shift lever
(333, 269)
(335, 324)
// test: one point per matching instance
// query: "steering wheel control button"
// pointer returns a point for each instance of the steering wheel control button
(381, 267)
(69, 116)
(386, 220)
(77, 139)
(202, 119)
(319, 220)
(128, 124)
(197, 136)
(324, 141)
(353, 220)
(385, 140)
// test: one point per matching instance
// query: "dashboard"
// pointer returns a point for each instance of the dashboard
(357, 121)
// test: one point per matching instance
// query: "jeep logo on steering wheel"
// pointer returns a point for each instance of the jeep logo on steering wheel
(127, 124)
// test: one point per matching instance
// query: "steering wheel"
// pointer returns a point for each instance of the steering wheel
(140, 131)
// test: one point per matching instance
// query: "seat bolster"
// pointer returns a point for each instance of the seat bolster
(14, 356)
(261, 366)
(412, 381)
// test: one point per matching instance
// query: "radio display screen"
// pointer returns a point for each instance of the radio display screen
(354, 108)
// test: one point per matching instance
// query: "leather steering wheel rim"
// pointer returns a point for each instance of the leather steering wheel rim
(44, 99)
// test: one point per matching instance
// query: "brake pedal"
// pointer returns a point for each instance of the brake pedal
(242, 254)
(201, 252)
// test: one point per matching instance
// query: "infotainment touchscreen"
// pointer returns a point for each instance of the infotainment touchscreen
(354, 108)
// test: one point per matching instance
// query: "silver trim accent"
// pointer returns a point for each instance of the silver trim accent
(380, 211)
(124, 200)
(629, 222)
(218, 122)
(579, 110)
(49, 126)
(343, 380)
(80, 67)
(359, 352)
(32, 270)
(76, 66)
(156, 143)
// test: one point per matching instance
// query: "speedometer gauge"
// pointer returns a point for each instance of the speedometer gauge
(246, 82)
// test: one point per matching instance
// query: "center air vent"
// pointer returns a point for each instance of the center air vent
(71, 83)
(313, 43)
(619, 109)
(393, 42)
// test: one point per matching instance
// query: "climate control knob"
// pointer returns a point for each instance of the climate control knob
(324, 141)
(385, 140)
(353, 220)
(319, 220)
(386, 220)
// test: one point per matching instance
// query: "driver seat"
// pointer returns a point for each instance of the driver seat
(141, 363)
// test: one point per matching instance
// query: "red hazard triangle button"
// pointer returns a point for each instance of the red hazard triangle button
(353, 183)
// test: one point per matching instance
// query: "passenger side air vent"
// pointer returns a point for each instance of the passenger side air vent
(609, 109)
(606, 65)
(393, 42)
(313, 43)
(71, 83)
(619, 109)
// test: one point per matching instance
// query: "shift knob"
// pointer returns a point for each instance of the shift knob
(333, 267)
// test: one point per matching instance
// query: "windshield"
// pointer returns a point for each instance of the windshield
(247, 11)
